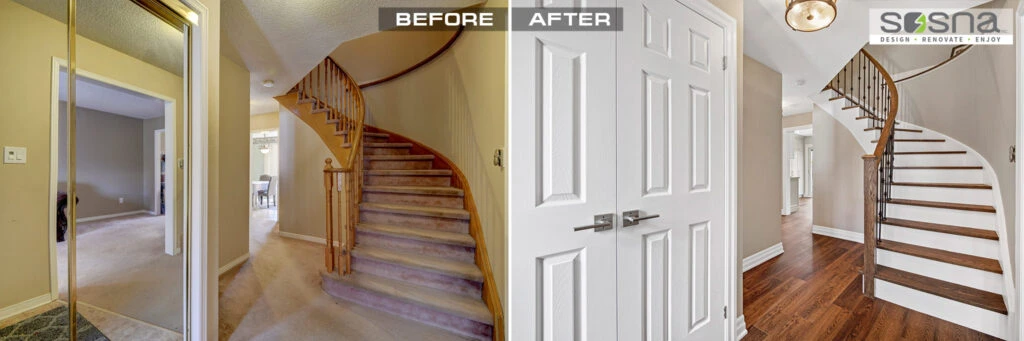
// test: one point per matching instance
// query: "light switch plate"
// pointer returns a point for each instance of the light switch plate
(15, 154)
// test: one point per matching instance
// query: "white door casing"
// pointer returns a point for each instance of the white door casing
(672, 161)
(562, 151)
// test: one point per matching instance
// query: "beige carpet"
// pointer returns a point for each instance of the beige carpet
(122, 268)
(276, 295)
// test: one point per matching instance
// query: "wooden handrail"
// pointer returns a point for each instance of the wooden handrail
(956, 51)
(451, 41)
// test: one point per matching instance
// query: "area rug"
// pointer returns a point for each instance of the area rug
(51, 325)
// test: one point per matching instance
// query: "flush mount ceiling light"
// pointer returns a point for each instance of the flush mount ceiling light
(810, 15)
(268, 84)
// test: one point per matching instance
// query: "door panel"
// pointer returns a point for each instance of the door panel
(671, 161)
(561, 174)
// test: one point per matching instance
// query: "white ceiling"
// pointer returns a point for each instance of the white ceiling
(813, 58)
(282, 40)
(103, 97)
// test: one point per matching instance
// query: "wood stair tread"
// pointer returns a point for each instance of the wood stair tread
(387, 145)
(942, 228)
(943, 185)
(426, 235)
(914, 140)
(897, 129)
(933, 152)
(411, 157)
(433, 264)
(440, 300)
(409, 172)
(424, 190)
(427, 211)
(947, 205)
(370, 134)
(967, 295)
(938, 167)
(970, 261)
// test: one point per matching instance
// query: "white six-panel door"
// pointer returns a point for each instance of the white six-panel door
(671, 160)
(562, 173)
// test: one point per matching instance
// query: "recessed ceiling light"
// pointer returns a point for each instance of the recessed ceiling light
(801, 82)
(268, 84)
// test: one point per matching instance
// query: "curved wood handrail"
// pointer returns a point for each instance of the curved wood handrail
(955, 52)
(445, 47)
(890, 120)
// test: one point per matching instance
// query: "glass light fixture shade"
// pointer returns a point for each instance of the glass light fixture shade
(810, 15)
(265, 149)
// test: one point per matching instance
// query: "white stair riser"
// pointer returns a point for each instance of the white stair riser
(943, 194)
(969, 277)
(927, 160)
(907, 146)
(971, 176)
(985, 321)
(944, 241)
(981, 220)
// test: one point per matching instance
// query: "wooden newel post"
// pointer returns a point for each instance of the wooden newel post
(329, 256)
(870, 222)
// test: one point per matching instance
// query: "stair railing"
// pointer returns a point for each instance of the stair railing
(332, 91)
(866, 86)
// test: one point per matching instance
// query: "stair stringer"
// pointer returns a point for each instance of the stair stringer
(304, 111)
(481, 258)
(980, 319)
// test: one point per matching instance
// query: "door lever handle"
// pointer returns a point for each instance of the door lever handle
(602, 222)
(630, 218)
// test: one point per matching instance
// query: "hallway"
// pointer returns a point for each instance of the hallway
(813, 292)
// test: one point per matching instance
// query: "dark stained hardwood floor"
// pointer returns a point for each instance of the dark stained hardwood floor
(813, 292)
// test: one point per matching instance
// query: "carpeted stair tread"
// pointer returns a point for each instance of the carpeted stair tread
(946, 205)
(454, 268)
(965, 260)
(455, 304)
(417, 157)
(942, 228)
(387, 145)
(421, 190)
(963, 294)
(427, 235)
(409, 172)
(427, 211)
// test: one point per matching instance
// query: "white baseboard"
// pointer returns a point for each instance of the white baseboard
(784, 211)
(108, 216)
(303, 237)
(232, 264)
(837, 233)
(741, 327)
(29, 304)
(762, 256)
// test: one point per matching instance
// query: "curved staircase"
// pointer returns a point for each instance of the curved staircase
(933, 217)
(410, 240)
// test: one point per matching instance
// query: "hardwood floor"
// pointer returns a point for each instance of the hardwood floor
(813, 292)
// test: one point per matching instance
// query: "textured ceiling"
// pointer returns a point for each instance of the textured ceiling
(123, 26)
(282, 40)
(103, 97)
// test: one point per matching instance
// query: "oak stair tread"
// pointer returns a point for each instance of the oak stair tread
(963, 294)
(443, 266)
(943, 185)
(965, 260)
(938, 167)
(426, 211)
(947, 205)
(410, 172)
(426, 235)
(933, 152)
(914, 140)
(411, 157)
(421, 190)
(387, 145)
(897, 129)
(942, 228)
(440, 300)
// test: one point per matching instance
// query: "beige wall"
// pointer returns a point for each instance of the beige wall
(30, 40)
(760, 159)
(838, 175)
(110, 162)
(301, 189)
(373, 57)
(231, 142)
(266, 121)
(797, 120)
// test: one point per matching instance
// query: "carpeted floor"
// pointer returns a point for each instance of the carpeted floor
(276, 295)
(122, 268)
(51, 325)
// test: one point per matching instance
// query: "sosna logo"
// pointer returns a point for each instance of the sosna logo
(941, 26)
